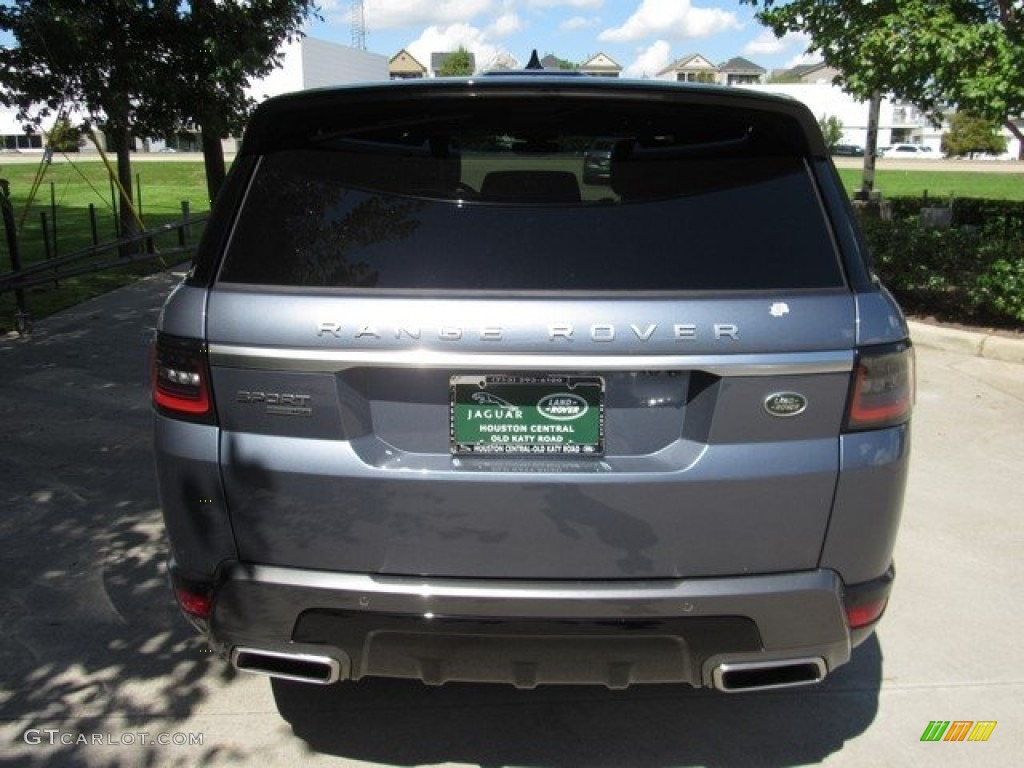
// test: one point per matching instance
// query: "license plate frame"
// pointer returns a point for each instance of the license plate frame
(526, 414)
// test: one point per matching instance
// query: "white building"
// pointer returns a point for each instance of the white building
(311, 63)
(825, 99)
(898, 122)
(12, 133)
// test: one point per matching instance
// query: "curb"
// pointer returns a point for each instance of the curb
(977, 344)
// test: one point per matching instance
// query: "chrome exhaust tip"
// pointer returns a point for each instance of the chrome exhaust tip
(301, 667)
(768, 675)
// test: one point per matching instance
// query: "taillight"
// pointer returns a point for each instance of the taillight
(882, 388)
(181, 379)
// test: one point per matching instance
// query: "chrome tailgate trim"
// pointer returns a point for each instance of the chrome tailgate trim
(333, 361)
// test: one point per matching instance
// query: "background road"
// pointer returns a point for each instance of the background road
(91, 647)
(891, 164)
(939, 164)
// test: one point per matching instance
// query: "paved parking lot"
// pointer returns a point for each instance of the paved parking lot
(96, 667)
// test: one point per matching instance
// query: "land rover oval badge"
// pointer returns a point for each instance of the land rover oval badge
(785, 404)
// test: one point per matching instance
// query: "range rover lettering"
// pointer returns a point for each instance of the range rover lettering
(463, 408)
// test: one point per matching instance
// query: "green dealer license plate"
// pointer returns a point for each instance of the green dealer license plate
(527, 414)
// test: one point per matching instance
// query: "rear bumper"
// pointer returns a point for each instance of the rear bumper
(526, 633)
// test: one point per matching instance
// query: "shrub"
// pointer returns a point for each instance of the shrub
(64, 137)
(970, 273)
(967, 211)
(1000, 289)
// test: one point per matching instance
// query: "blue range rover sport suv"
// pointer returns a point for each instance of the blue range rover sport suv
(439, 401)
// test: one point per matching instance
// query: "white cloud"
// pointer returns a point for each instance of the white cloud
(577, 23)
(565, 3)
(650, 61)
(436, 39)
(803, 58)
(674, 19)
(388, 14)
(767, 44)
(334, 11)
(506, 24)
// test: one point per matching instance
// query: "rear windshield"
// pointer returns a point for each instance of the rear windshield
(534, 211)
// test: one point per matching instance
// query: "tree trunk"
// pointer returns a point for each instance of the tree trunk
(1012, 128)
(213, 158)
(871, 148)
(120, 135)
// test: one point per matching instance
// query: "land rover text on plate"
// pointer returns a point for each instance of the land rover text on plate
(436, 402)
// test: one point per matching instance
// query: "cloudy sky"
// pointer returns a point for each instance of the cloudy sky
(643, 36)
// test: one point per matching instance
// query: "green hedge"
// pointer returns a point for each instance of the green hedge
(972, 272)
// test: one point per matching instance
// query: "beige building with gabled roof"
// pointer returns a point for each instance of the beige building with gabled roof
(601, 65)
(404, 66)
(690, 69)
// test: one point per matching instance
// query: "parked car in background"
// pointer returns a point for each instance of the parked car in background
(848, 150)
(430, 406)
(597, 162)
(908, 151)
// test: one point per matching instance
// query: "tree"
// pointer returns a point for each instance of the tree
(144, 67)
(832, 129)
(968, 135)
(458, 64)
(216, 49)
(90, 58)
(933, 53)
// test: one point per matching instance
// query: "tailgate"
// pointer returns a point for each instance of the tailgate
(717, 449)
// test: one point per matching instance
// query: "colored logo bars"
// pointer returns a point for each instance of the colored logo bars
(958, 730)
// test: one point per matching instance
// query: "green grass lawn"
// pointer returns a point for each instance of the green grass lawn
(940, 184)
(66, 191)
(73, 185)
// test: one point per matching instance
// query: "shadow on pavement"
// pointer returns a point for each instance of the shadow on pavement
(90, 641)
(405, 723)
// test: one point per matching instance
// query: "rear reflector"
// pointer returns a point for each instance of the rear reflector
(882, 388)
(865, 613)
(197, 604)
(181, 378)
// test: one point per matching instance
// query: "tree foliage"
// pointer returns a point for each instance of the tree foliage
(457, 64)
(930, 52)
(970, 135)
(144, 68)
(216, 49)
(63, 136)
(91, 59)
(832, 129)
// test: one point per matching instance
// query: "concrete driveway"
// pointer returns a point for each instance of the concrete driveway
(96, 667)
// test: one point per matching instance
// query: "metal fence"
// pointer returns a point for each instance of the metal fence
(131, 249)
